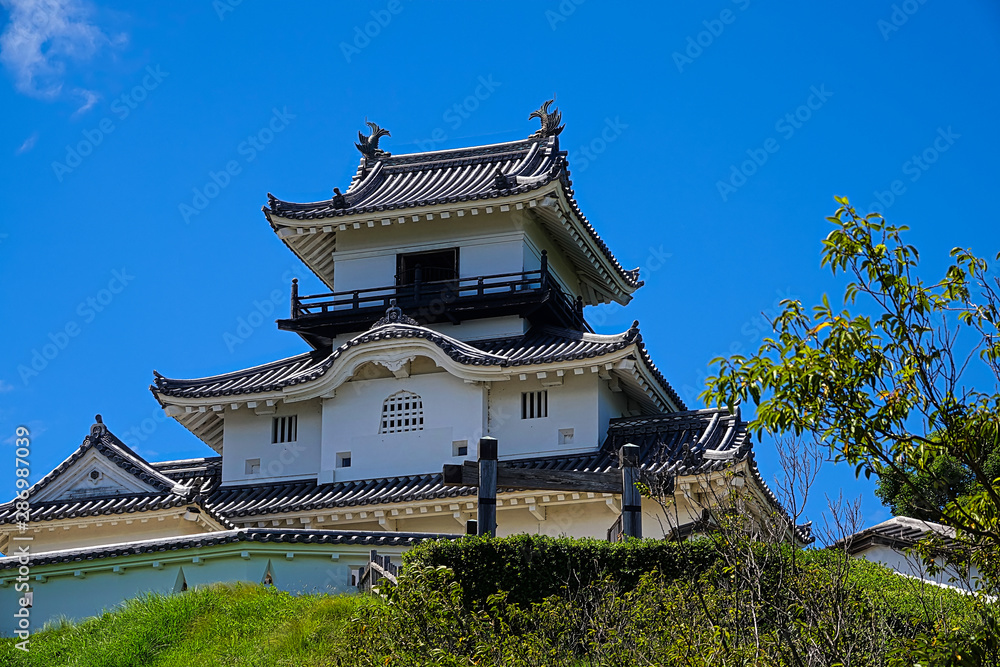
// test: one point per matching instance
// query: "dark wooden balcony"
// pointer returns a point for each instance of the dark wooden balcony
(318, 318)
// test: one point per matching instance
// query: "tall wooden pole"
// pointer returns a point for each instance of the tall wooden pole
(628, 458)
(487, 510)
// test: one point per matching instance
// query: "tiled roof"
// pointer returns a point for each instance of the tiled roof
(260, 499)
(439, 177)
(102, 505)
(897, 532)
(467, 174)
(263, 535)
(540, 345)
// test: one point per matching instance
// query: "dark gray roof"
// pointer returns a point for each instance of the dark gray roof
(540, 345)
(898, 532)
(263, 535)
(439, 177)
(467, 174)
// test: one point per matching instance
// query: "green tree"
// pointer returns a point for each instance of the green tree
(924, 493)
(887, 387)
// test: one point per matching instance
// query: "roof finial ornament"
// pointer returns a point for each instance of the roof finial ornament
(369, 145)
(394, 315)
(98, 429)
(338, 199)
(550, 121)
(500, 180)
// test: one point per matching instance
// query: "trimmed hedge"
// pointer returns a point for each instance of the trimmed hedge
(533, 567)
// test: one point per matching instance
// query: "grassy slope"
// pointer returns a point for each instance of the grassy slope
(227, 625)
(215, 626)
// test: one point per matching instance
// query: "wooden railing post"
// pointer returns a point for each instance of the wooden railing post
(418, 277)
(487, 509)
(628, 458)
(295, 298)
(545, 268)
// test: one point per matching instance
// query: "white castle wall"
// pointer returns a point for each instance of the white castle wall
(453, 410)
(248, 436)
(572, 405)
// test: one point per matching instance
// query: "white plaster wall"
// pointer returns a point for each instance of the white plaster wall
(488, 244)
(910, 565)
(572, 405)
(610, 405)
(453, 410)
(536, 240)
(248, 436)
(368, 271)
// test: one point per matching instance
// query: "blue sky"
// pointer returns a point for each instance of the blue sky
(706, 144)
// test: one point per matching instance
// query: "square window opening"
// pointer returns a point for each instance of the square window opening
(534, 404)
(460, 448)
(253, 466)
(284, 429)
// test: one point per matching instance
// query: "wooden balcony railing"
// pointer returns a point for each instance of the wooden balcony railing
(438, 295)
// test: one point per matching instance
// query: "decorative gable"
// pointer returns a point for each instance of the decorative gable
(93, 475)
(103, 466)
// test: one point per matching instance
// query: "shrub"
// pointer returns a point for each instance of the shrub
(530, 568)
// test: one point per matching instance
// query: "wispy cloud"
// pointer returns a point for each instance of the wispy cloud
(5, 387)
(43, 38)
(90, 98)
(28, 144)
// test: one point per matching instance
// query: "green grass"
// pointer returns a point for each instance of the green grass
(215, 626)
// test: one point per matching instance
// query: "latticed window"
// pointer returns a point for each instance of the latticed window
(284, 429)
(534, 404)
(403, 411)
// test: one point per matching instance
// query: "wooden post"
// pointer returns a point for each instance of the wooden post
(631, 498)
(418, 277)
(295, 298)
(545, 269)
(373, 576)
(487, 510)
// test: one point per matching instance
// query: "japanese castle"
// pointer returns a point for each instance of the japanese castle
(458, 287)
